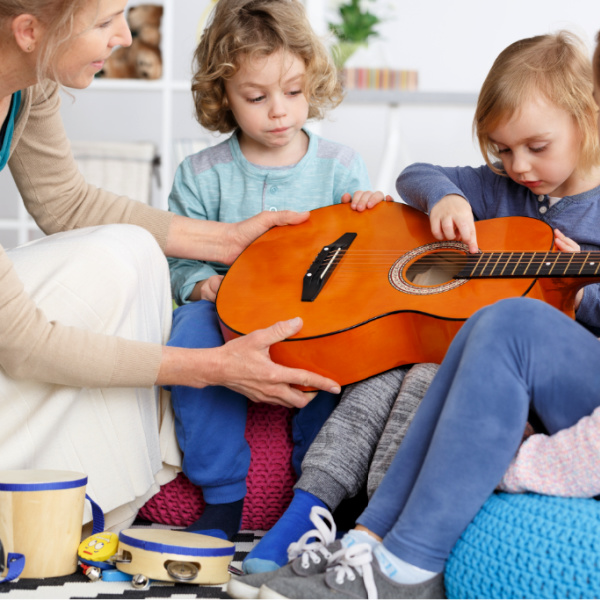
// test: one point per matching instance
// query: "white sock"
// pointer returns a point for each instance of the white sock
(399, 570)
(357, 536)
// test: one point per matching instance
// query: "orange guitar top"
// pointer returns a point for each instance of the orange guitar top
(371, 308)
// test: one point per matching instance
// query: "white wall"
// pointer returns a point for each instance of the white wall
(452, 45)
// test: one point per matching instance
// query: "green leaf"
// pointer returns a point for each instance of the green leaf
(355, 26)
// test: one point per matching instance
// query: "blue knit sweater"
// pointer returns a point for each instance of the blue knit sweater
(219, 184)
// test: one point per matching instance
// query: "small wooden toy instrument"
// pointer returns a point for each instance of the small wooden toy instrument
(176, 556)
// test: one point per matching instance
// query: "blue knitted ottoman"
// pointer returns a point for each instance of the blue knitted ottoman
(528, 546)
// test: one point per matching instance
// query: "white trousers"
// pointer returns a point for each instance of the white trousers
(112, 279)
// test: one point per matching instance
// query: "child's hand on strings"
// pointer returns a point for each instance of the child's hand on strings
(566, 244)
(452, 219)
(362, 200)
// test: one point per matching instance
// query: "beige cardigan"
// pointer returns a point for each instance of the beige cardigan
(59, 199)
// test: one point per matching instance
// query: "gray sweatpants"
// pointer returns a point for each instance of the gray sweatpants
(359, 440)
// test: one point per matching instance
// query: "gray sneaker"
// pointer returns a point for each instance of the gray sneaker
(306, 558)
(353, 574)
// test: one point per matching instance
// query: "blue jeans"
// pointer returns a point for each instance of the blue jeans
(509, 357)
(210, 422)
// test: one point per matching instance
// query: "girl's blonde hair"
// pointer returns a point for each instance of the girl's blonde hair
(556, 66)
(57, 17)
(241, 29)
(596, 61)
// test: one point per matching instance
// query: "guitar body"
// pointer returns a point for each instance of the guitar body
(369, 317)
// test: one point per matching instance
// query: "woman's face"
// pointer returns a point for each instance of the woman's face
(99, 27)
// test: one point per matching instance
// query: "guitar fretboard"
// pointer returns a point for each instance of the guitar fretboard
(531, 264)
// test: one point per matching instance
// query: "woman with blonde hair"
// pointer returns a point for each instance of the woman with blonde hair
(85, 311)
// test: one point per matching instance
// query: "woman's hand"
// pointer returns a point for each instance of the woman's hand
(360, 200)
(222, 242)
(452, 219)
(242, 234)
(245, 366)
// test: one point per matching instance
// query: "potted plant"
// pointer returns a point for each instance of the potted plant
(357, 25)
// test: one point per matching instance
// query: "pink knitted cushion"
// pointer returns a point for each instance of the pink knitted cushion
(270, 478)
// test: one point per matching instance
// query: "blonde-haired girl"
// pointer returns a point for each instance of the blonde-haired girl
(536, 125)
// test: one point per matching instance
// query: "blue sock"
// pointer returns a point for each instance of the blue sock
(219, 520)
(399, 570)
(358, 536)
(271, 552)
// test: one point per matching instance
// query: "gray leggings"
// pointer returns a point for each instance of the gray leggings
(360, 439)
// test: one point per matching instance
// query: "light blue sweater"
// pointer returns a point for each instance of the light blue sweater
(491, 195)
(219, 184)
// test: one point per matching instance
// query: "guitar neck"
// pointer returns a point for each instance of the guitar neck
(531, 265)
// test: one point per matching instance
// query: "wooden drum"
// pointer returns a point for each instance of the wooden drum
(41, 514)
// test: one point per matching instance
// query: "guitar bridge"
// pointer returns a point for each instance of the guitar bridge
(323, 266)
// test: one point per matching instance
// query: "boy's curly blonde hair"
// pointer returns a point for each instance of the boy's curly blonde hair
(241, 29)
(556, 66)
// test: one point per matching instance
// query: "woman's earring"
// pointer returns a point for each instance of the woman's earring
(28, 48)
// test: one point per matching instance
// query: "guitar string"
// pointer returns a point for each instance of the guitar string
(518, 263)
(592, 258)
(474, 267)
(452, 254)
(480, 258)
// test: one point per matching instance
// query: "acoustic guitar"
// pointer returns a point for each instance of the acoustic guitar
(376, 290)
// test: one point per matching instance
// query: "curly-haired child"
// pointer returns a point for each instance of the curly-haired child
(260, 73)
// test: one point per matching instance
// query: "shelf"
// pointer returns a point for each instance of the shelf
(399, 97)
(139, 85)
(171, 100)
(395, 153)
(165, 112)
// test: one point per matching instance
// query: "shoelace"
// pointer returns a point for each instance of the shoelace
(324, 535)
(359, 558)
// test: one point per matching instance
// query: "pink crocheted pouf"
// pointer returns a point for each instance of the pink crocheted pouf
(270, 478)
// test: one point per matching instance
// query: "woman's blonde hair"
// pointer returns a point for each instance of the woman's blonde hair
(241, 29)
(556, 66)
(57, 17)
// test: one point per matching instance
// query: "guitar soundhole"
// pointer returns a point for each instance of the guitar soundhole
(430, 269)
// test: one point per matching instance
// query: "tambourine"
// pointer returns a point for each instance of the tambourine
(175, 556)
